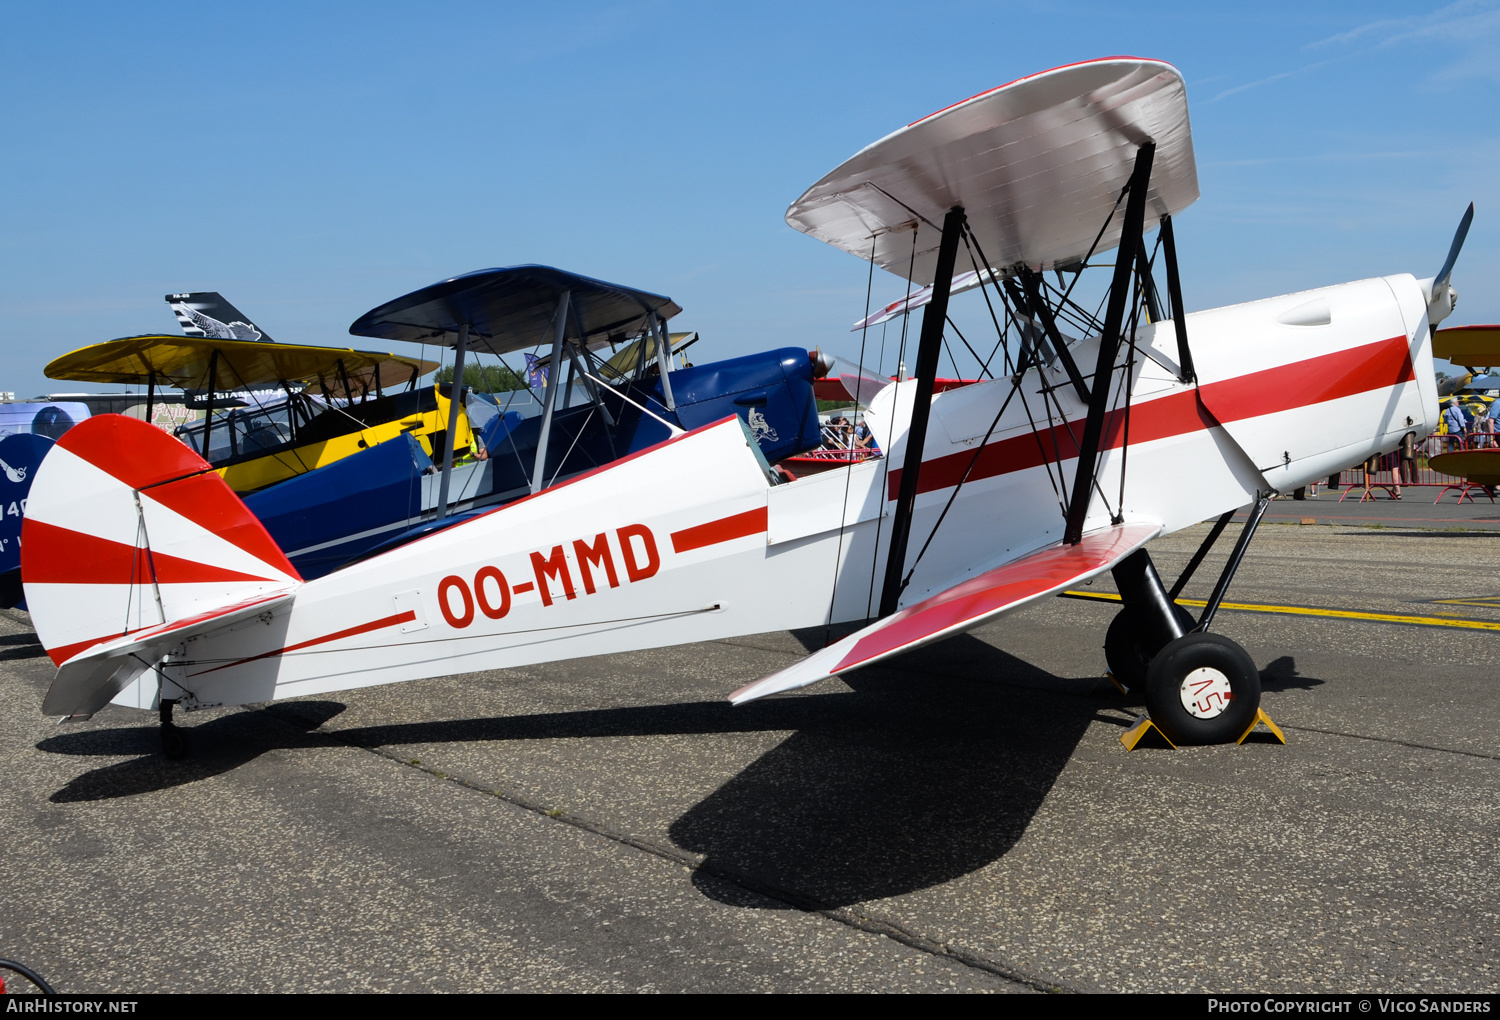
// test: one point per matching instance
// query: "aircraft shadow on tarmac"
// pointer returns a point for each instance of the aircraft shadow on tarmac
(932, 768)
(20, 646)
(220, 745)
(920, 779)
(1281, 675)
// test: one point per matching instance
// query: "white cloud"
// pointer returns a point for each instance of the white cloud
(1267, 81)
(1469, 29)
(1472, 27)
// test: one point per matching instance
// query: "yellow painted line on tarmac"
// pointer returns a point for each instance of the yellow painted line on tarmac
(1337, 614)
(1486, 601)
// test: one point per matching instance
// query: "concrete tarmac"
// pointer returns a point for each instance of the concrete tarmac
(1428, 508)
(963, 818)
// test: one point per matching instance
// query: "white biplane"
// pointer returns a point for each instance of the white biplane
(150, 584)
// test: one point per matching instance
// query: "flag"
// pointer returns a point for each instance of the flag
(535, 376)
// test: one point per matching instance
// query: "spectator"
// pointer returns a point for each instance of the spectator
(1406, 463)
(864, 439)
(1482, 427)
(837, 433)
(1369, 468)
(1454, 418)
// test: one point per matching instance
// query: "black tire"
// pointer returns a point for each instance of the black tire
(1128, 657)
(1215, 720)
(174, 742)
(29, 974)
(1127, 660)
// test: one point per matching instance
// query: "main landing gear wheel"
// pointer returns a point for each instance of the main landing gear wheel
(1202, 689)
(174, 742)
(1128, 658)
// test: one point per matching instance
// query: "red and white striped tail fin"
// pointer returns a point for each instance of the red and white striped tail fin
(127, 530)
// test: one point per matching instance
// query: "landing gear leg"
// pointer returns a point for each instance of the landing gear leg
(1147, 623)
(174, 742)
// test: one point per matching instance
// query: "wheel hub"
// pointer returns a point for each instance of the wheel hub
(1206, 693)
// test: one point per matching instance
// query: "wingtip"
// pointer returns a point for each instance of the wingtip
(747, 693)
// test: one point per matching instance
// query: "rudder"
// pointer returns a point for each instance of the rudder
(126, 529)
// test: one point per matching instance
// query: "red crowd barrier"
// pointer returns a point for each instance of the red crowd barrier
(1388, 476)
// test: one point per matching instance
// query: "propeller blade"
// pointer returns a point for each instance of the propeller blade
(1458, 243)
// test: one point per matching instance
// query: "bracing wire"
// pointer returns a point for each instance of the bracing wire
(949, 348)
(885, 461)
(1014, 389)
(1059, 484)
(983, 289)
(838, 557)
(983, 366)
(1097, 238)
(1049, 397)
(1138, 294)
(576, 436)
(906, 313)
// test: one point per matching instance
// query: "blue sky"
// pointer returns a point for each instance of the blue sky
(312, 160)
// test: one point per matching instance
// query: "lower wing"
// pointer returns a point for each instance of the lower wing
(962, 607)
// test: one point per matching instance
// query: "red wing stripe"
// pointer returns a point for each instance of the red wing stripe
(1314, 381)
(751, 522)
(59, 556)
(363, 628)
(992, 591)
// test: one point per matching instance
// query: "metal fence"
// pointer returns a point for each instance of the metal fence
(1356, 481)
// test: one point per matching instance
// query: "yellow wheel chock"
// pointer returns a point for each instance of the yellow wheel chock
(1143, 725)
(1138, 731)
(1261, 717)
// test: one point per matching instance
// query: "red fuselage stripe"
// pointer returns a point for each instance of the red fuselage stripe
(1346, 373)
(364, 628)
(751, 522)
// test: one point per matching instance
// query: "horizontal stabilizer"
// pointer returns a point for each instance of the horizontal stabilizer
(86, 683)
(962, 607)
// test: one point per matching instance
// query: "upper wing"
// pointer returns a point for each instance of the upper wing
(1038, 166)
(962, 607)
